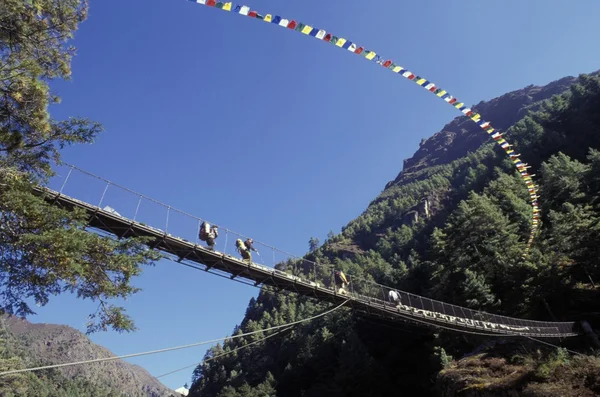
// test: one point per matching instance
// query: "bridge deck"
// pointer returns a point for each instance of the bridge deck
(422, 310)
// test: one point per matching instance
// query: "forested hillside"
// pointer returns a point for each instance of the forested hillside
(465, 247)
(24, 344)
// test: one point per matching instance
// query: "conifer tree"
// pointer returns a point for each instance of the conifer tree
(46, 251)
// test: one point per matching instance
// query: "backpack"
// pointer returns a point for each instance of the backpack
(343, 277)
(240, 245)
(204, 230)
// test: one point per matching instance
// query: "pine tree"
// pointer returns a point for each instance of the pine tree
(45, 251)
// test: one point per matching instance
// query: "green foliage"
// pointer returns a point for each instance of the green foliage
(15, 384)
(45, 251)
(33, 51)
(442, 359)
(313, 244)
(545, 369)
(468, 251)
(46, 383)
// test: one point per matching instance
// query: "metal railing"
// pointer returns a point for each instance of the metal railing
(163, 218)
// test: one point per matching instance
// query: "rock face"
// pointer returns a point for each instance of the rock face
(462, 136)
(52, 344)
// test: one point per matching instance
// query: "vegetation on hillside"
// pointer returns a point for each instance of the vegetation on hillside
(45, 383)
(468, 251)
(26, 345)
(520, 368)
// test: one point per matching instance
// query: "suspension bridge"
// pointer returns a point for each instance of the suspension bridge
(288, 272)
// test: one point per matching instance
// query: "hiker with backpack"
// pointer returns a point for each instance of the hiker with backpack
(341, 281)
(394, 297)
(209, 234)
(243, 250)
(249, 244)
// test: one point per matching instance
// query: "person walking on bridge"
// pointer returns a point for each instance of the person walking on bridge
(249, 243)
(394, 297)
(243, 250)
(339, 278)
(209, 234)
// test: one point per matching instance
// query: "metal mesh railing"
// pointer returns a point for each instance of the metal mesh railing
(133, 206)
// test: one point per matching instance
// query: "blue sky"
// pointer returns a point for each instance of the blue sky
(274, 134)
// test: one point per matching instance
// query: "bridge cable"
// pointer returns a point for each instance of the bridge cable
(409, 318)
(224, 354)
(553, 345)
(226, 235)
(287, 329)
(528, 337)
(170, 348)
(486, 334)
(229, 352)
(405, 317)
(74, 167)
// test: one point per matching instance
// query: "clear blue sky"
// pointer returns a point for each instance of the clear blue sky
(275, 134)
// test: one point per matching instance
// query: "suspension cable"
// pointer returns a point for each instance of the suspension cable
(168, 206)
(553, 345)
(96, 360)
(483, 333)
(295, 257)
(224, 354)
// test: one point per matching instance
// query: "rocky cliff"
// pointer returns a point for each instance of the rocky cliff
(52, 344)
(462, 136)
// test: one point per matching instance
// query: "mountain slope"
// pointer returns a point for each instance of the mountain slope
(43, 344)
(461, 135)
(453, 227)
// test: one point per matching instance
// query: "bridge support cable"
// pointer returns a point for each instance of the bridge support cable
(66, 179)
(404, 311)
(555, 346)
(224, 354)
(290, 274)
(97, 360)
(410, 321)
